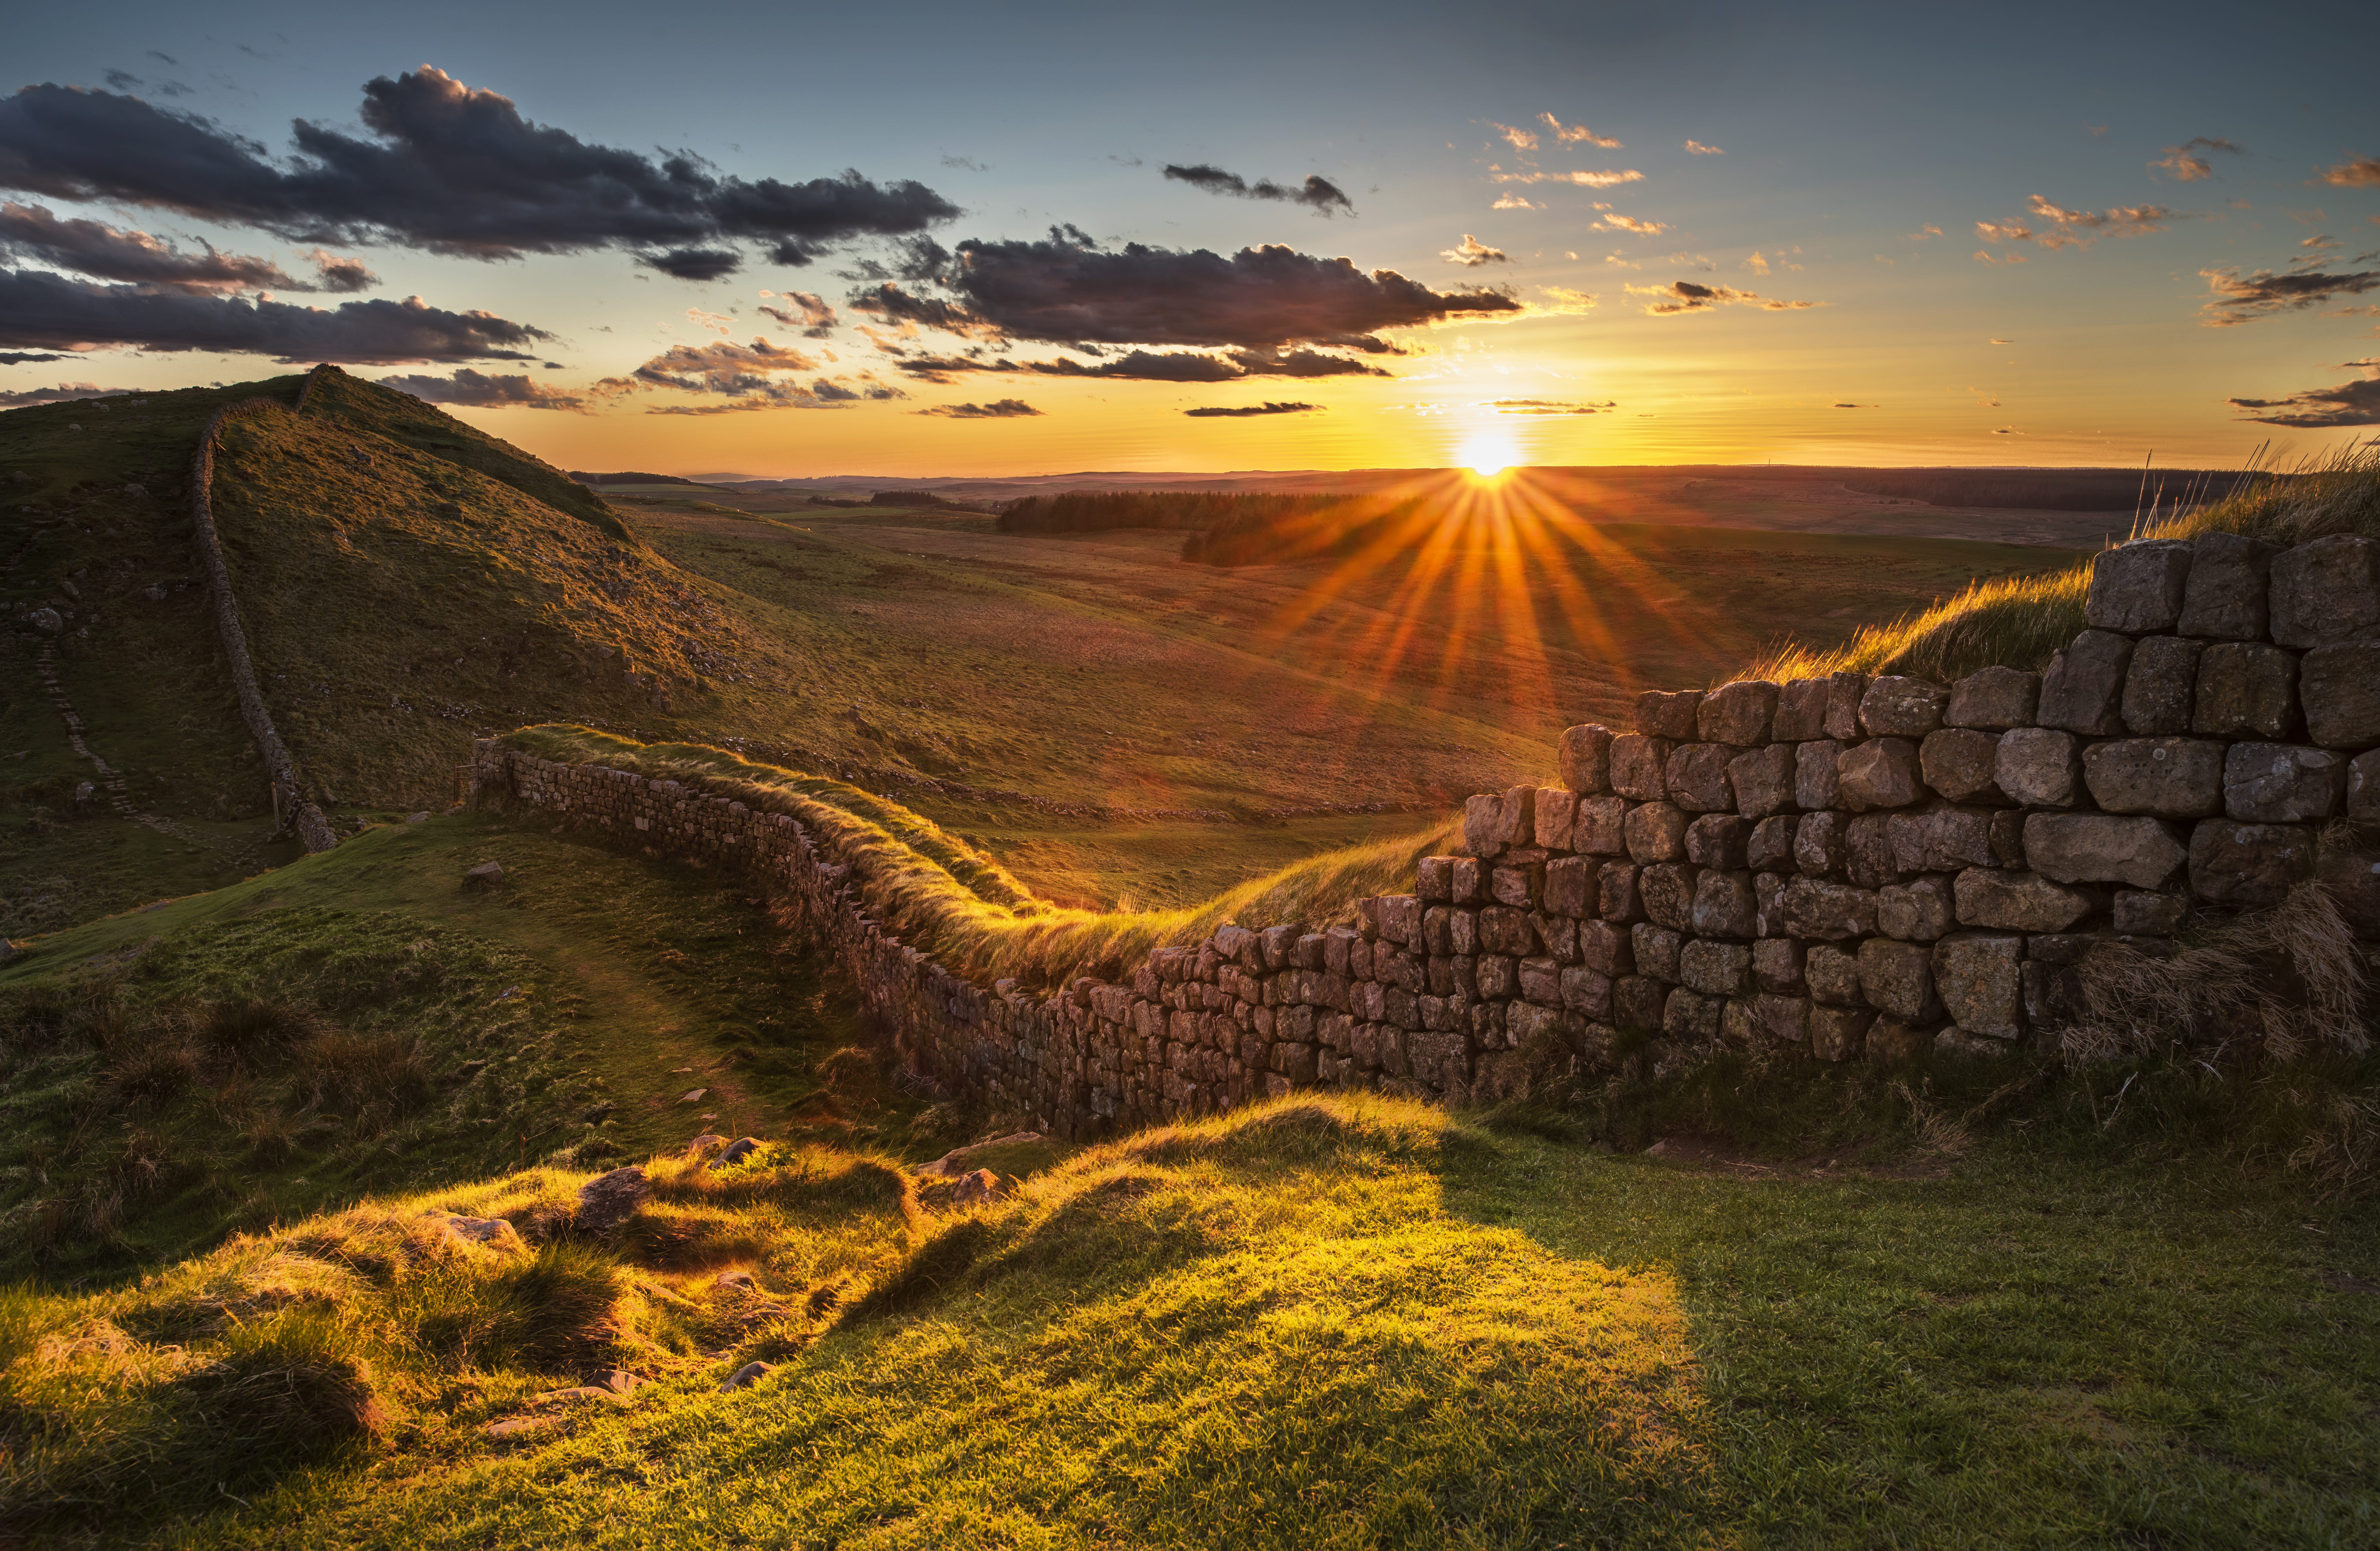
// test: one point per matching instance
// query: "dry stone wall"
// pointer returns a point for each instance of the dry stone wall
(1842, 867)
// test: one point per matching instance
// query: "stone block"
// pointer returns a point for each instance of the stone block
(1521, 885)
(1541, 982)
(1717, 840)
(1695, 777)
(1606, 947)
(2083, 691)
(2246, 866)
(1822, 844)
(1497, 976)
(2138, 587)
(1655, 832)
(1637, 766)
(1636, 1001)
(1817, 781)
(1586, 991)
(1940, 840)
(1833, 975)
(1780, 1019)
(1434, 934)
(1961, 763)
(1503, 929)
(2161, 685)
(1994, 699)
(1666, 890)
(1735, 1021)
(1690, 1018)
(1996, 899)
(1672, 716)
(1898, 706)
(2008, 838)
(1771, 850)
(2363, 788)
(2325, 591)
(1800, 711)
(2039, 767)
(2245, 690)
(2339, 687)
(1898, 978)
(1616, 899)
(1553, 811)
(2101, 848)
(1494, 822)
(1739, 712)
(1599, 829)
(1916, 912)
(1763, 780)
(1873, 863)
(1716, 969)
(2225, 598)
(2141, 913)
(1570, 886)
(2063, 947)
(1838, 1034)
(1894, 1042)
(1844, 692)
(1723, 905)
(1585, 755)
(1880, 773)
(1979, 977)
(2170, 777)
(1470, 880)
(1768, 904)
(2278, 783)
(2052, 994)
(1434, 879)
(1828, 911)
(1776, 965)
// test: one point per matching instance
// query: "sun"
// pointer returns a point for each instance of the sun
(1489, 454)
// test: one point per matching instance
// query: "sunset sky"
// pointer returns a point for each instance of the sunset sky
(1573, 234)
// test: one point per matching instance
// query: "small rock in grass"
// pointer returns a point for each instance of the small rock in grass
(747, 1377)
(740, 1149)
(484, 878)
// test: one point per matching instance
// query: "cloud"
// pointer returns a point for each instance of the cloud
(485, 390)
(2076, 228)
(1545, 407)
(2243, 299)
(1155, 366)
(723, 367)
(1604, 179)
(1569, 301)
(1859, 406)
(1922, 233)
(1999, 341)
(1066, 291)
(50, 311)
(2179, 164)
(106, 253)
(1002, 408)
(1522, 140)
(809, 314)
(2319, 409)
(1685, 296)
(340, 274)
(1981, 257)
(694, 264)
(1575, 134)
(1699, 149)
(964, 163)
(2003, 231)
(2356, 172)
(1611, 223)
(2320, 242)
(443, 167)
(1472, 252)
(1757, 264)
(1514, 202)
(21, 358)
(64, 393)
(1316, 193)
(1234, 410)
(820, 394)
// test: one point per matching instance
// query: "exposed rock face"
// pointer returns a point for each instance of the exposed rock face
(609, 1200)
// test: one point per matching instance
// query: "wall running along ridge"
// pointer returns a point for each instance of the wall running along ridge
(1842, 867)
(290, 803)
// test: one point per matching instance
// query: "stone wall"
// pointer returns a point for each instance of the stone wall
(1840, 867)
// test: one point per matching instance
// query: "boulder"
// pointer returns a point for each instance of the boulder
(2325, 591)
(2000, 901)
(1897, 706)
(1800, 711)
(2245, 690)
(2161, 684)
(1844, 692)
(1771, 850)
(1979, 976)
(1916, 912)
(1961, 763)
(2039, 767)
(1724, 904)
(2225, 597)
(2340, 689)
(486, 878)
(1669, 716)
(1739, 713)
(2278, 783)
(2245, 866)
(2172, 777)
(1763, 780)
(1827, 911)
(1817, 781)
(2138, 588)
(1600, 827)
(2101, 848)
(1587, 758)
(747, 1377)
(1695, 777)
(1880, 773)
(1716, 969)
(609, 1200)
(1717, 840)
(1994, 699)
(2083, 691)
(1833, 975)
(46, 620)
(1638, 767)
(1655, 832)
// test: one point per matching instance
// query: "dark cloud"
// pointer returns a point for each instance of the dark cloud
(1859, 406)
(1685, 296)
(19, 358)
(1316, 193)
(50, 311)
(694, 264)
(2356, 172)
(341, 274)
(485, 390)
(123, 80)
(2243, 299)
(1234, 410)
(64, 393)
(443, 167)
(1156, 366)
(105, 253)
(724, 367)
(2318, 408)
(801, 310)
(2183, 166)
(1003, 409)
(1472, 252)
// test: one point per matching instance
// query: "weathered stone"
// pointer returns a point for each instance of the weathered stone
(1800, 711)
(1960, 764)
(1768, 904)
(1717, 840)
(1504, 929)
(1553, 811)
(2161, 684)
(1724, 905)
(1867, 840)
(1655, 832)
(485, 878)
(1585, 753)
(2063, 947)
(1897, 706)
(2350, 874)
(1780, 1019)
(1606, 947)
(1716, 969)
(1636, 1001)
(1739, 712)
(1690, 1018)
(2008, 838)
(2245, 690)
(1844, 692)
(1497, 976)
(1776, 965)
(1838, 1034)
(2363, 787)
(1668, 892)
(1494, 822)
(1521, 886)
(1893, 1041)
(1979, 977)
(1570, 885)
(1637, 766)
(1670, 715)
(1817, 781)
(1770, 849)
(2243, 866)
(1735, 1021)
(2340, 689)
(2141, 913)
(1586, 991)
(1434, 879)
(1916, 912)
(1599, 828)
(2052, 994)
(1541, 982)
(1941, 840)
(1616, 898)
(2277, 782)
(609, 1200)
(1898, 978)
(2039, 767)
(1994, 699)
(2172, 777)
(1880, 773)
(747, 1377)
(2101, 848)
(2083, 691)
(1469, 880)
(1822, 844)
(2001, 900)
(1763, 780)
(2138, 587)
(2225, 598)
(1833, 975)
(1829, 911)
(2327, 591)
(1695, 777)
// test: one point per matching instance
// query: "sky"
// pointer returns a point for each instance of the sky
(792, 240)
